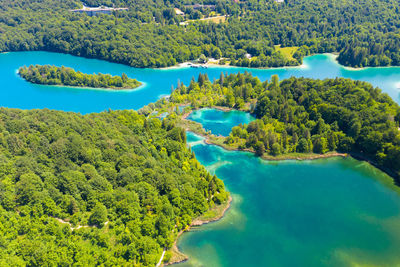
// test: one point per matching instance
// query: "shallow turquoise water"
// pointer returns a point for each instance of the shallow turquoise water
(220, 122)
(329, 212)
(17, 93)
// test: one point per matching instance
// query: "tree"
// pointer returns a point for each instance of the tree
(302, 147)
(320, 145)
(275, 149)
(259, 148)
(98, 216)
(124, 78)
(203, 59)
(275, 81)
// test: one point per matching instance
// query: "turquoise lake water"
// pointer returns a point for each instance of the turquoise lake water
(331, 212)
(220, 122)
(328, 212)
(17, 93)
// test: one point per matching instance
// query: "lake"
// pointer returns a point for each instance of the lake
(17, 93)
(220, 122)
(330, 212)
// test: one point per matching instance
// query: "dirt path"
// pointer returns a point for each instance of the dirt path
(161, 259)
(77, 227)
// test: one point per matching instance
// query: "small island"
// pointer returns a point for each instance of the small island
(53, 75)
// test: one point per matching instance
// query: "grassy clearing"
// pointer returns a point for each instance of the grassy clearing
(287, 51)
(216, 19)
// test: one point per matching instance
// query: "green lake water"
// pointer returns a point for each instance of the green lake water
(328, 212)
(331, 212)
(220, 122)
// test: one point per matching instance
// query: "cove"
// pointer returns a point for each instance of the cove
(336, 212)
(220, 122)
(17, 93)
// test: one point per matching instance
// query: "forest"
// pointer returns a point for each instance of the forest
(301, 115)
(151, 34)
(52, 75)
(106, 189)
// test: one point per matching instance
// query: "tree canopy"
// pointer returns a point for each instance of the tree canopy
(301, 115)
(53, 75)
(123, 185)
(151, 34)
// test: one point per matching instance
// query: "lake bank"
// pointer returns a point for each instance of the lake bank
(89, 100)
(336, 210)
(215, 64)
(210, 138)
(219, 212)
(52, 75)
(301, 210)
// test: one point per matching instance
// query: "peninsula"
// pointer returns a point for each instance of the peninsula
(298, 118)
(53, 75)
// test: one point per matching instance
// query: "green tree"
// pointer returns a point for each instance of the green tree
(98, 216)
(259, 148)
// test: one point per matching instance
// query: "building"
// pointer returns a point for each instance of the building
(93, 11)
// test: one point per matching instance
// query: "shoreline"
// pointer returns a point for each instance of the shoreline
(188, 64)
(185, 64)
(126, 89)
(195, 223)
(293, 156)
(142, 85)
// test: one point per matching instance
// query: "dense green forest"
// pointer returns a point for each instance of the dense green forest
(301, 115)
(124, 183)
(53, 75)
(150, 34)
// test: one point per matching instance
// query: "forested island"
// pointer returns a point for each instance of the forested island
(299, 117)
(52, 75)
(153, 34)
(113, 188)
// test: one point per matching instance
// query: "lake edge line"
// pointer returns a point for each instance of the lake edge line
(310, 156)
(207, 140)
(181, 257)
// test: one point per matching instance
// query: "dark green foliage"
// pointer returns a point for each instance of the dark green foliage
(259, 148)
(307, 116)
(66, 76)
(125, 184)
(364, 33)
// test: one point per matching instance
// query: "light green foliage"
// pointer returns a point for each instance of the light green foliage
(307, 116)
(98, 216)
(134, 173)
